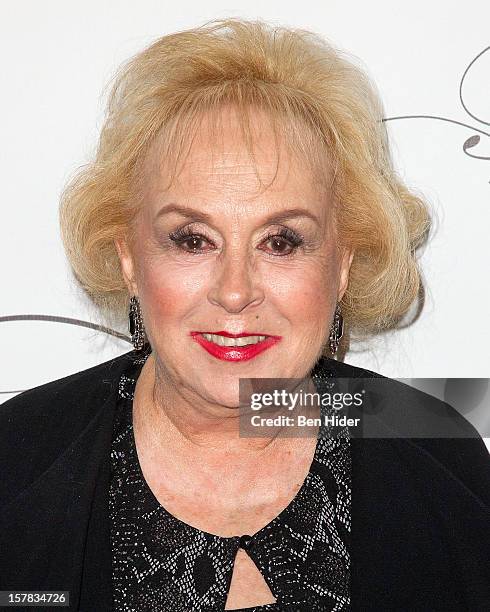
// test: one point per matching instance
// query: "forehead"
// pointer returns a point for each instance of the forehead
(223, 164)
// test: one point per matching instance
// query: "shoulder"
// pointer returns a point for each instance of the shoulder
(433, 438)
(404, 410)
(42, 400)
(37, 425)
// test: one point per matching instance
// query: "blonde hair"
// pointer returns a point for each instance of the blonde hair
(299, 79)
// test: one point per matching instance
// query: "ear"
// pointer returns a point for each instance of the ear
(127, 264)
(345, 264)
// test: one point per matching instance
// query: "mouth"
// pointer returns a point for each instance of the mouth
(234, 347)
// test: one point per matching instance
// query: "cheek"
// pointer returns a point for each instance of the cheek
(304, 292)
(169, 291)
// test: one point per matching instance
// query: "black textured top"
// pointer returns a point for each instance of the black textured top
(161, 563)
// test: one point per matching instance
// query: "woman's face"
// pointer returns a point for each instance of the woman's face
(217, 253)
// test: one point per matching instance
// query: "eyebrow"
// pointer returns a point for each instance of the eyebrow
(197, 215)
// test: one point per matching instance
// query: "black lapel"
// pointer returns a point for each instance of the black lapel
(58, 527)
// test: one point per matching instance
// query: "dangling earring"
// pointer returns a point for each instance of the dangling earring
(136, 327)
(337, 330)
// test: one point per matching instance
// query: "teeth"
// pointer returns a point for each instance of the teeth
(223, 341)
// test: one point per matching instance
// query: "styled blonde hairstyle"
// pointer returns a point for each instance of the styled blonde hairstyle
(316, 96)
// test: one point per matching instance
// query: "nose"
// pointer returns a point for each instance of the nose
(236, 285)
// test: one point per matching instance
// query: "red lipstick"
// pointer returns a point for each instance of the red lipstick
(234, 353)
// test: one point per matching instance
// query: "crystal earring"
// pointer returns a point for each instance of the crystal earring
(337, 330)
(136, 327)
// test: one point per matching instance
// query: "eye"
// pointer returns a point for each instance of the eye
(189, 241)
(284, 242)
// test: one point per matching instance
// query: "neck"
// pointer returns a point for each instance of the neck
(168, 415)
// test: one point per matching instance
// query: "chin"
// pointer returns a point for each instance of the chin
(227, 394)
(228, 400)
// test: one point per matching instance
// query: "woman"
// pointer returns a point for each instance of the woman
(243, 205)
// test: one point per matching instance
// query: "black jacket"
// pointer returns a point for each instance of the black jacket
(420, 537)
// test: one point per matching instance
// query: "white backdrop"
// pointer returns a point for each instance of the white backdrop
(56, 58)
